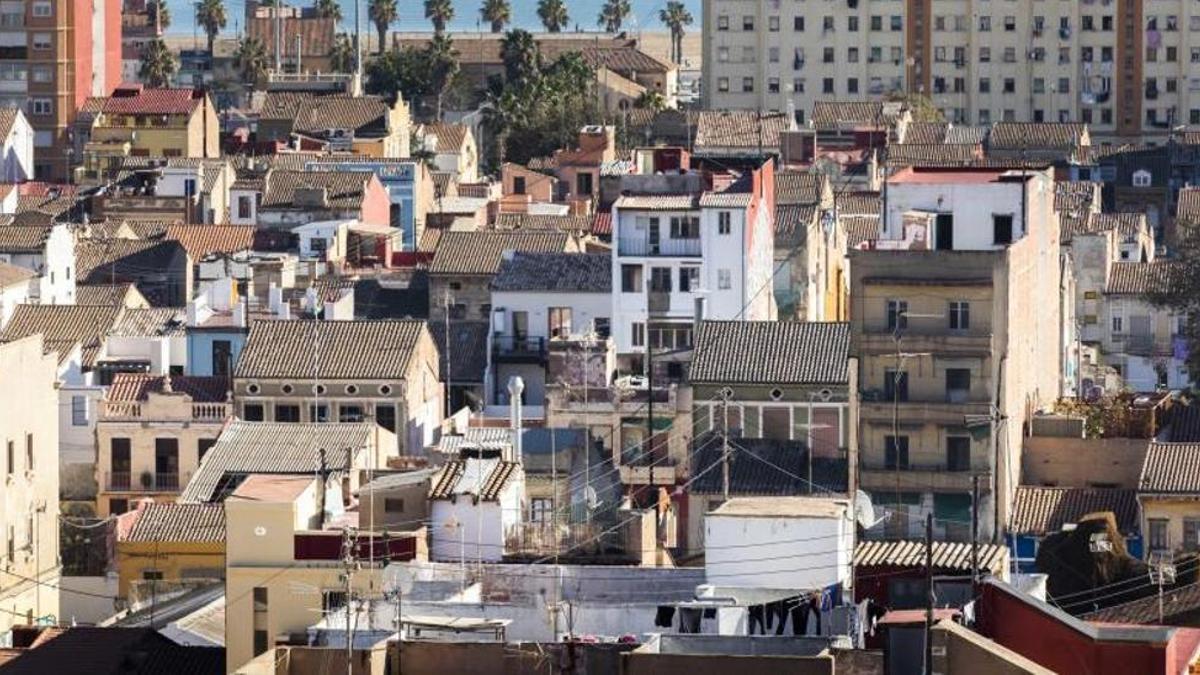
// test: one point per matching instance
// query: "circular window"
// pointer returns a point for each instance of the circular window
(726, 393)
(287, 388)
(252, 389)
(352, 389)
(776, 394)
(385, 389)
(320, 388)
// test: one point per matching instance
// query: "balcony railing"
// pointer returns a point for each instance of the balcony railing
(519, 346)
(1144, 345)
(119, 481)
(658, 301)
(166, 482)
(135, 410)
(125, 481)
(644, 246)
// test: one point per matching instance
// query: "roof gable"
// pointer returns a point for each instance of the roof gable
(358, 350)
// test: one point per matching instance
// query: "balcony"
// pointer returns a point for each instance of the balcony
(146, 482)
(881, 340)
(137, 411)
(664, 247)
(658, 301)
(921, 411)
(874, 475)
(519, 349)
(1142, 345)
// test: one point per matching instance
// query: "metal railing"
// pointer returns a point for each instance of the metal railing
(166, 482)
(644, 246)
(519, 345)
(119, 481)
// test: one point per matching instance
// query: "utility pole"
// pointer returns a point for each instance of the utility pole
(278, 11)
(929, 593)
(725, 446)
(348, 575)
(975, 535)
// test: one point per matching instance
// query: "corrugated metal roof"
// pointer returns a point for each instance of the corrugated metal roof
(946, 555)
(1171, 468)
(1041, 510)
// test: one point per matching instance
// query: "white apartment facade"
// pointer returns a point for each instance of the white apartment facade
(1122, 66)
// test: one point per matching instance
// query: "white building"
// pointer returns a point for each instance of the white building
(17, 287)
(1145, 345)
(674, 249)
(152, 339)
(323, 240)
(473, 503)
(801, 543)
(16, 146)
(48, 251)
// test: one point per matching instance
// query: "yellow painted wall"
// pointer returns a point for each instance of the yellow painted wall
(170, 558)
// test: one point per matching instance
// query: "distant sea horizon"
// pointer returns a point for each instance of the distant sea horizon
(583, 16)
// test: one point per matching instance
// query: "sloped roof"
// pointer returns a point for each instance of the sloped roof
(860, 229)
(245, 448)
(316, 34)
(466, 360)
(23, 238)
(771, 352)
(102, 294)
(859, 203)
(481, 253)
(1178, 600)
(740, 129)
(352, 350)
(1127, 224)
(64, 326)
(450, 137)
(533, 221)
(1043, 510)
(625, 59)
(151, 322)
(926, 132)
(933, 154)
(946, 555)
(316, 114)
(344, 189)
(203, 240)
(967, 134)
(12, 274)
(791, 224)
(113, 650)
(555, 272)
(91, 255)
(1188, 207)
(138, 386)
(495, 476)
(798, 187)
(1183, 423)
(163, 522)
(834, 114)
(8, 118)
(1171, 468)
(657, 202)
(1036, 135)
(127, 100)
(1138, 278)
(755, 475)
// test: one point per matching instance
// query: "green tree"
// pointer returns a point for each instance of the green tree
(251, 61)
(676, 17)
(497, 13)
(650, 100)
(440, 13)
(382, 13)
(211, 16)
(443, 66)
(520, 54)
(399, 72)
(613, 14)
(342, 54)
(159, 65)
(328, 9)
(553, 14)
(160, 12)
(921, 106)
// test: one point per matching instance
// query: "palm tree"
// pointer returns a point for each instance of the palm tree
(382, 13)
(161, 13)
(328, 9)
(553, 14)
(341, 55)
(496, 12)
(251, 60)
(650, 100)
(520, 55)
(158, 64)
(443, 67)
(210, 14)
(613, 14)
(440, 12)
(675, 17)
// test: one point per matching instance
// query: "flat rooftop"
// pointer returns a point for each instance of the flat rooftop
(787, 507)
(272, 488)
(957, 176)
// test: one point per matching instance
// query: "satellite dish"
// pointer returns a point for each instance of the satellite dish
(398, 576)
(590, 498)
(864, 510)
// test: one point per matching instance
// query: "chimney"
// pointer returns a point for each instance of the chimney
(516, 386)
(699, 315)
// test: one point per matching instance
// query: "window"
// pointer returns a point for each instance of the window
(601, 326)
(203, 445)
(393, 505)
(896, 311)
(1002, 228)
(1118, 324)
(385, 416)
(958, 453)
(631, 279)
(748, 85)
(985, 23)
(685, 227)
(42, 9)
(1191, 530)
(583, 184)
(638, 334)
(541, 510)
(79, 411)
(724, 222)
(518, 185)
(827, 85)
(252, 412)
(1010, 23)
(29, 452)
(852, 85)
(660, 279)
(1159, 541)
(826, 24)
(723, 22)
(852, 24)
(42, 41)
(350, 413)
(960, 315)
(876, 23)
(41, 74)
(773, 24)
(895, 385)
(722, 84)
(560, 323)
(748, 22)
(895, 452)
(287, 413)
(1142, 178)
(152, 575)
(318, 412)
(41, 106)
(798, 23)
(958, 385)
(724, 280)
(897, 23)
(985, 85)
(689, 279)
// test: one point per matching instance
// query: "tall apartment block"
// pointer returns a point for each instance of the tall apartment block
(1125, 67)
(53, 55)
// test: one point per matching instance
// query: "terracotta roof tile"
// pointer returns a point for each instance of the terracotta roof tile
(776, 468)
(480, 253)
(201, 241)
(138, 386)
(496, 474)
(933, 154)
(555, 272)
(799, 187)
(1036, 135)
(625, 60)
(926, 133)
(344, 189)
(152, 322)
(658, 202)
(529, 221)
(860, 229)
(362, 350)
(740, 129)
(791, 224)
(468, 350)
(862, 203)
(1188, 208)
(163, 522)
(1171, 468)
(1044, 510)
(1139, 278)
(64, 326)
(450, 137)
(13, 274)
(316, 34)
(135, 100)
(23, 238)
(771, 352)
(313, 115)
(829, 115)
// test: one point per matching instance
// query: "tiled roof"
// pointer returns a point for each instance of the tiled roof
(602, 224)
(431, 237)
(1127, 224)
(771, 352)
(1137, 278)
(137, 387)
(1176, 601)
(165, 522)
(925, 132)
(1036, 135)
(726, 200)
(23, 239)
(316, 35)
(1076, 195)
(149, 101)
(625, 60)
(933, 154)
(1171, 468)
(314, 115)
(450, 137)
(107, 295)
(555, 272)
(111, 650)
(92, 105)
(798, 187)
(349, 350)
(658, 202)
(480, 253)
(946, 555)
(834, 114)
(8, 117)
(755, 475)
(63, 326)
(203, 240)
(1188, 208)
(245, 448)
(152, 322)
(860, 203)
(530, 221)
(344, 189)
(466, 360)
(210, 169)
(860, 229)
(1183, 423)
(740, 129)
(102, 257)
(1044, 510)
(968, 135)
(791, 224)
(12, 274)
(495, 475)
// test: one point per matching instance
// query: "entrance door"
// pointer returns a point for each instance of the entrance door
(945, 232)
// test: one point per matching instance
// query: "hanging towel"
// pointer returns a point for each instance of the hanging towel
(664, 616)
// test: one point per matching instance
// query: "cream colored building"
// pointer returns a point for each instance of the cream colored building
(151, 435)
(29, 575)
(1167, 493)
(1121, 66)
(955, 320)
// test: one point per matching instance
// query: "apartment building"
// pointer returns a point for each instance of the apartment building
(29, 519)
(1121, 66)
(53, 56)
(957, 330)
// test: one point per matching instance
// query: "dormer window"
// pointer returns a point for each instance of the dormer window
(1141, 178)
